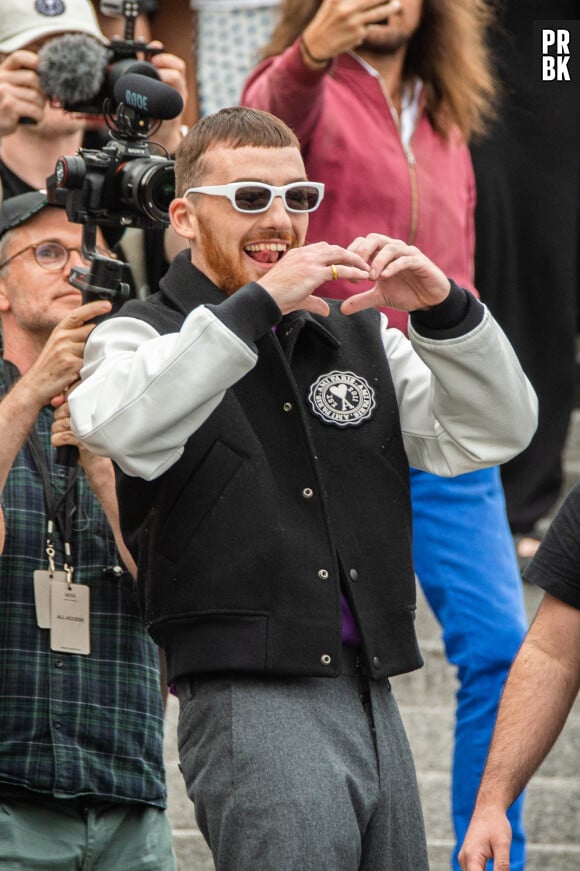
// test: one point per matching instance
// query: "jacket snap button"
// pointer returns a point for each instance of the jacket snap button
(325, 659)
(353, 575)
(287, 406)
(376, 662)
(307, 493)
(323, 574)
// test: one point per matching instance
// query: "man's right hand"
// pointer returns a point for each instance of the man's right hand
(488, 836)
(20, 94)
(58, 365)
(301, 271)
(341, 25)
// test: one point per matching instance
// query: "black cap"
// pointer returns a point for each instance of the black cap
(16, 210)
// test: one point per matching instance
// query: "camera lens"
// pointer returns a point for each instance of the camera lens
(70, 172)
(148, 186)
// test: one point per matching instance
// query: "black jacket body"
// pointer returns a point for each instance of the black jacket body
(245, 543)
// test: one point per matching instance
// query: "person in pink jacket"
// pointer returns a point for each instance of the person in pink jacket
(384, 99)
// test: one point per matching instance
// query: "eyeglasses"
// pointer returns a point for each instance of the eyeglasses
(247, 196)
(50, 255)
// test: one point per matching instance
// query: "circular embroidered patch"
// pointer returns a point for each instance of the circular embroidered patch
(342, 399)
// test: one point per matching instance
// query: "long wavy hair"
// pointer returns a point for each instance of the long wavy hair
(449, 52)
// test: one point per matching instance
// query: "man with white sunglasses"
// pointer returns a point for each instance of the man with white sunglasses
(263, 437)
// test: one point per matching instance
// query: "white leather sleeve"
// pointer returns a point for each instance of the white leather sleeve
(142, 395)
(465, 402)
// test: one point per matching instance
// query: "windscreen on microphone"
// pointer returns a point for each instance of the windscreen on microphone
(149, 96)
(72, 68)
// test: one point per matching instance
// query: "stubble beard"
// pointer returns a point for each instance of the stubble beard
(390, 44)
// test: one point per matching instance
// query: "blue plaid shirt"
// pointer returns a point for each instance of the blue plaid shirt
(74, 725)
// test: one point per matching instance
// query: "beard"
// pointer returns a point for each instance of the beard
(227, 273)
(58, 122)
(386, 44)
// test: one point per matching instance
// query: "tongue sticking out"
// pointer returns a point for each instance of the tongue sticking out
(265, 256)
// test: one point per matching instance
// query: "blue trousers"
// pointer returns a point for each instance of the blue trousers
(466, 564)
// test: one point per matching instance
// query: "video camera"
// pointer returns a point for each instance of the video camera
(79, 73)
(130, 181)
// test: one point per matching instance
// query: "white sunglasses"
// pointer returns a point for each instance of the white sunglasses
(248, 196)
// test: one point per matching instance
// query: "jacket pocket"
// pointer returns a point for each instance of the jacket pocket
(199, 494)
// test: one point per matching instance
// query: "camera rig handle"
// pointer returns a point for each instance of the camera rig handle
(101, 281)
(128, 46)
(129, 9)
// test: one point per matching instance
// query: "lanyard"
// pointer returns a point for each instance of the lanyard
(60, 508)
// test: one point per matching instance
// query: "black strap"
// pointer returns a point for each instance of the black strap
(60, 509)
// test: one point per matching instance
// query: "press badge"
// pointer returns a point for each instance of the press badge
(42, 583)
(69, 618)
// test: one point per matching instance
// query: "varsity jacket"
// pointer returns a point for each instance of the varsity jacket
(260, 472)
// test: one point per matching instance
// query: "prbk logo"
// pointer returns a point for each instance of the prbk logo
(555, 66)
(557, 54)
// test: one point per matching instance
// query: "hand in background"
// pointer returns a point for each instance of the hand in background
(341, 25)
(20, 94)
(172, 71)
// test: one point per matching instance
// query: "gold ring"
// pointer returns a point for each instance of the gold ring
(334, 271)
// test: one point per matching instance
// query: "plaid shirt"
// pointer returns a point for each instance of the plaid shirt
(74, 725)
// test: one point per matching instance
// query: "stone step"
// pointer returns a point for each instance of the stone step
(191, 851)
(571, 456)
(572, 447)
(430, 686)
(541, 857)
(552, 808)
(430, 731)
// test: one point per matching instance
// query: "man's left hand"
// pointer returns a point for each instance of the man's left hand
(405, 278)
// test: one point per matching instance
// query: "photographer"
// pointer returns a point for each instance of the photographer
(29, 151)
(81, 717)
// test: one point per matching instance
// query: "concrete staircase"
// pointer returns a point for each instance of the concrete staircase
(427, 700)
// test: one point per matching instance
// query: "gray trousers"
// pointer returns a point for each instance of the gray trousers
(300, 774)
